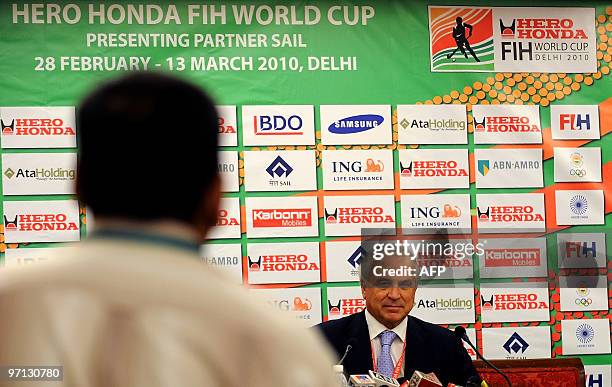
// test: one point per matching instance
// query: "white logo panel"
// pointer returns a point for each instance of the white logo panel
(280, 170)
(585, 337)
(583, 293)
(342, 260)
(574, 122)
(302, 303)
(581, 251)
(228, 125)
(270, 263)
(508, 168)
(38, 173)
(228, 221)
(344, 301)
(513, 258)
(45, 221)
(507, 124)
(357, 169)
(228, 171)
(510, 213)
(278, 125)
(226, 257)
(516, 343)
(38, 127)
(432, 124)
(502, 304)
(444, 305)
(577, 165)
(579, 207)
(434, 168)
(348, 215)
(282, 217)
(422, 213)
(355, 124)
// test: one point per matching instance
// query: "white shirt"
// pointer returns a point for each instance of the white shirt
(119, 313)
(375, 328)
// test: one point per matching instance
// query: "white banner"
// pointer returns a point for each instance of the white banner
(45, 221)
(38, 173)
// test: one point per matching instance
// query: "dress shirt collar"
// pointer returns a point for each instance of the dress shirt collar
(375, 327)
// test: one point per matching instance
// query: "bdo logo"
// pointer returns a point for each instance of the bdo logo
(277, 125)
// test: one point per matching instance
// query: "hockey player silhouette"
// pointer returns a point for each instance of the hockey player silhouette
(461, 39)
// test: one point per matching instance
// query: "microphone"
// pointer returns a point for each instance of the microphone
(460, 333)
(373, 379)
(420, 379)
(346, 351)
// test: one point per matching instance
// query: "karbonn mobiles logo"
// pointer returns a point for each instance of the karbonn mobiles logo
(39, 222)
(282, 217)
(282, 262)
(356, 124)
(278, 125)
(505, 124)
(540, 29)
(573, 121)
(440, 168)
(224, 219)
(357, 215)
(279, 168)
(346, 306)
(518, 301)
(576, 162)
(584, 249)
(516, 344)
(509, 214)
(225, 129)
(37, 127)
(512, 257)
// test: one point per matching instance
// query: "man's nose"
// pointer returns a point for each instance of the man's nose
(393, 293)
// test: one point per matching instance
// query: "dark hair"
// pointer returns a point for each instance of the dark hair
(148, 148)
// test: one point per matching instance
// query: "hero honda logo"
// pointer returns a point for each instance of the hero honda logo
(346, 306)
(39, 222)
(516, 344)
(434, 168)
(282, 217)
(36, 127)
(265, 125)
(359, 215)
(282, 262)
(356, 124)
(225, 220)
(505, 124)
(518, 301)
(540, 29)
(508, 214)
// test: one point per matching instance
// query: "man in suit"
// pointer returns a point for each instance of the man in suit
(386, 339)
(133, 305)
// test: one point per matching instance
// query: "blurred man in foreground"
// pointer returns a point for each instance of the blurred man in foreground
(133, 305)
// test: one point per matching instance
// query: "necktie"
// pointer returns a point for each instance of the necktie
(384, 362)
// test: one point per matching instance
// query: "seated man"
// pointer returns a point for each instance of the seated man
(384, 338)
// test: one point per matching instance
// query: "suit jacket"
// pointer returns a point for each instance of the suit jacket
(429, 348)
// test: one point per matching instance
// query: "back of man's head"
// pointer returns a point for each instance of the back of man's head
(148, 150)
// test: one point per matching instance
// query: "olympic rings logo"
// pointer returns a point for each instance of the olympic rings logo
(583, 301)
(578, 172)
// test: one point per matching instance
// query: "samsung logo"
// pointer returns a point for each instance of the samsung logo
(356, 124)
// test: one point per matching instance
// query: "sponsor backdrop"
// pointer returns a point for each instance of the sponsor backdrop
(339, 116)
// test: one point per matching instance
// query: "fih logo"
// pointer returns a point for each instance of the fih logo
(515, 344)
(507, 31)
(37, 127)
(585, 333)
(595, 380)
(356, 124)
(583, 298)
(300, 305)
(40, 222)
(8, 129)
(225, 129)
(434, 168)
(254, 265)
(483, 167)
(279, 167)
(486, 304)
(224, 219)
(274, 125)
(573, 121)
(356, 256)
(577, 161)
(333, 310)
(581, 249)
(579, 205)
